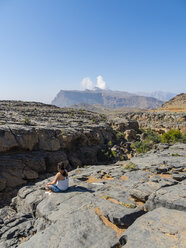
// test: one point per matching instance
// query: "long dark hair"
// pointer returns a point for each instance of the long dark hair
(61, 168)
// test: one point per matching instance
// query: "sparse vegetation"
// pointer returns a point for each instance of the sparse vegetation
(150, 139)
(120, 135)
(102, 117)
(106, 154)
(110, 143)
(106, 197)
(175, 154)
(114, 154)
(142, 146)
(27, 121)
(130, 166)
(121, 157)
(173, 136)
(81, 111)
(63, 131)
(128, 205)
(93, 119)
(72, 113)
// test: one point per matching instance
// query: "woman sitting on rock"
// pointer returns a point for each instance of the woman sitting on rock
(61, 180)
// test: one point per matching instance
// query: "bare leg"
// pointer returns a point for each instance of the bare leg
(48, 187)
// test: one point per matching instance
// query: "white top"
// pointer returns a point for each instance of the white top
(63, 184)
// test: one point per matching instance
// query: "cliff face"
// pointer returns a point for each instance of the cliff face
(69, 98)
(107, 98)
(34, 137)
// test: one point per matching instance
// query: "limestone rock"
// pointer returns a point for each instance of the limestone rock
(159, 228)
(173, 197)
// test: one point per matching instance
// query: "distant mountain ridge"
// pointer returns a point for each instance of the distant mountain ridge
(160, 95)
(107, 98)
(178, 102)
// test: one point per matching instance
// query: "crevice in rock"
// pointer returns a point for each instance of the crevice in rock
(118, 230)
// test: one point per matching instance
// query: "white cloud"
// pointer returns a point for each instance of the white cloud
(86, 83)
(101, 83)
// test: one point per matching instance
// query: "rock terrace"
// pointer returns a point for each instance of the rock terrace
(106, 206)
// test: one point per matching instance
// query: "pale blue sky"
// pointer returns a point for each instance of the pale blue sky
(48, 45)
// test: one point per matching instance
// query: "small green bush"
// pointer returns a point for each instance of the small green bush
(130, 166)
(26, 121)
(175, 155)
(151, 135)
(81, 111)
(128, 205)
(114, 154)
(120, 135)
(93, 119)
(172, 136)
(72, 113)
(106, 154)
(110, 143)
(151, 138)
(142, 146)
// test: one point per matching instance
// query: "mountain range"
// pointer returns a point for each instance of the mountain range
(160, 95)
(106, 98)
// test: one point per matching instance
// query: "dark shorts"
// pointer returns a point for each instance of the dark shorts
(54, 188)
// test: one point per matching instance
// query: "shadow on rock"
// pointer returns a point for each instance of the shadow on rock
(77, 189)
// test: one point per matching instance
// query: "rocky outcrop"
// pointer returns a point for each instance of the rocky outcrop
(127, 204)
(176, 103)
(160, 121)
(34, 137)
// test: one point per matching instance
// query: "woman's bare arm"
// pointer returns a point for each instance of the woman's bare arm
(55, 179)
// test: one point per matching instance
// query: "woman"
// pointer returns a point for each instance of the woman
(61, 180)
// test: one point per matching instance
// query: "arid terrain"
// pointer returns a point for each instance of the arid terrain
(116, 195)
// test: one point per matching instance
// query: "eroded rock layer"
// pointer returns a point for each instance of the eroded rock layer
(136, 204)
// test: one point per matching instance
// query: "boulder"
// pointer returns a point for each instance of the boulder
(130, 135)
(173, 197)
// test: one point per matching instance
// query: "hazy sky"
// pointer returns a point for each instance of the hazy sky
(129, 45)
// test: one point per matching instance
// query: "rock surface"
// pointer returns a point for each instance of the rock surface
(116, 205)
(161, 121)
(160, 228)
(34, 137)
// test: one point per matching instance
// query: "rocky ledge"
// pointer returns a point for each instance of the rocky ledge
(136, 204)
(35, 136)
(161, 121)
